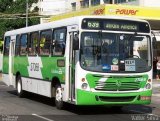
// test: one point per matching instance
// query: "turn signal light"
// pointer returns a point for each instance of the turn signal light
(145, 98)
(83, 80)
(149, 80)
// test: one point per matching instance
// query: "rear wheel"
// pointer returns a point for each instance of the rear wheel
(20, 92)
(58, 97)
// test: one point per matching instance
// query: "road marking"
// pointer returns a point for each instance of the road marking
(42, 117)
(153, 114)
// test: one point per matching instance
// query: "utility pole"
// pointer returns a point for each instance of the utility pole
(26, 13)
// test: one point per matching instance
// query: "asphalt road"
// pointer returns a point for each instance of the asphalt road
(39, 108)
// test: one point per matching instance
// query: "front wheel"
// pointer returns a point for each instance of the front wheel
(20, 91)
(58, 97)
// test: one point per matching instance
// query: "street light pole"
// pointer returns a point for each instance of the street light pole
(26, 13)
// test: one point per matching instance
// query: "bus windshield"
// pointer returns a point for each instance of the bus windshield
(114, 52)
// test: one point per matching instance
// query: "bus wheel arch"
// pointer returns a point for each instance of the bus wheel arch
(55, 81)
(57, 92)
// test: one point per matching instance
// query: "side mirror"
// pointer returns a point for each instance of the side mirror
(75, 43)
(154, 42)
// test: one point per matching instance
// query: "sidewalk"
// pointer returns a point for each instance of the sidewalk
(0, 76)
(1, 83)
(156, 87)
(155, 81)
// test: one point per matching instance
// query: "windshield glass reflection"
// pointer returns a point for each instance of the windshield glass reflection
(111, 52)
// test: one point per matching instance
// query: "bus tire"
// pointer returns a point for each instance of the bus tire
(20, 91)
(58, 97)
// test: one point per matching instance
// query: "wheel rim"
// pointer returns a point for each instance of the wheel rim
(19, 87)
(58, 94)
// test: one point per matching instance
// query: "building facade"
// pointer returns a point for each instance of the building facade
(78, 4)
(55, 7)
(51, 7)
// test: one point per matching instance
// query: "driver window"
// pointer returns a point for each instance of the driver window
(125, 47)
(141, 47)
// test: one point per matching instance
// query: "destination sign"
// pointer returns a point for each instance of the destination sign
(130, 27)
(115, 25)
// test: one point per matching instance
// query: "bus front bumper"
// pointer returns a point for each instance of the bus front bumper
(99, 98)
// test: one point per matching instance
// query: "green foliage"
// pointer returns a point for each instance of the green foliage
(17, 9)
(5, 4)
(19, 6)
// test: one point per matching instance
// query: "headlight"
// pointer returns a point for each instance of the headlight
(84, 86)
(148, 86)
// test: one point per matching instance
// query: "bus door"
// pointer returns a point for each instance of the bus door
(72, 61)
(11, 59)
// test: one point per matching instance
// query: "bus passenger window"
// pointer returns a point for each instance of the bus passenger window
(17, 46)
(33, 44)
(59, 42)
(23, 44)
(45, 42)
(6, 46)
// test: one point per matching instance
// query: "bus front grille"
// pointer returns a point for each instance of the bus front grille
(117, 86)
(117, 99)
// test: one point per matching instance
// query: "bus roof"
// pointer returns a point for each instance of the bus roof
(64, 22)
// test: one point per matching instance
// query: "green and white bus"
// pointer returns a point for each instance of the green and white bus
(87, 60)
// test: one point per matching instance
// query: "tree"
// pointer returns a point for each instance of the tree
(5, 4)
(19, 6)
(17, 11)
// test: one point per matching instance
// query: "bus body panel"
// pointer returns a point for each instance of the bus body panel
(113, 99)
(5, 65)
(44, 68)
(37, 73)
(37, 86)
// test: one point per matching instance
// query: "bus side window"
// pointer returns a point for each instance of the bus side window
(17, 46)
(6, 46)
(33, 47)
(23, 44)
(45, 42)
(59, 36)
